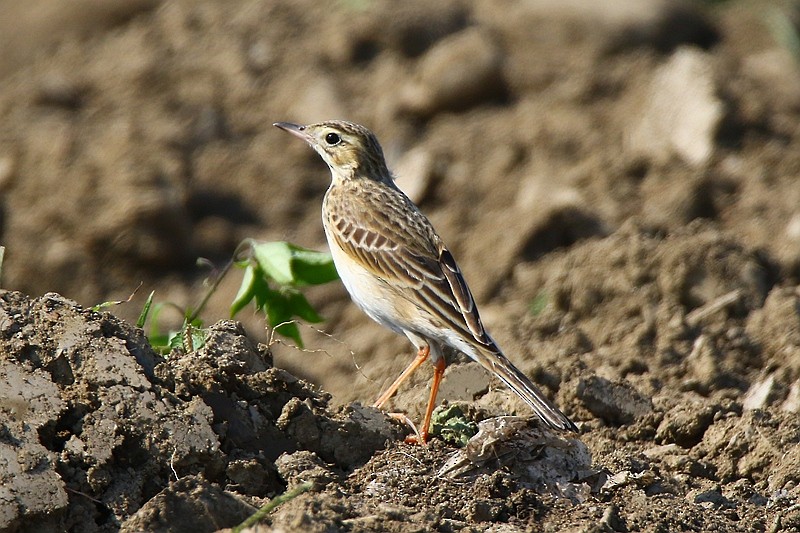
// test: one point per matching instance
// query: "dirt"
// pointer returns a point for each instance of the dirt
(618, 182)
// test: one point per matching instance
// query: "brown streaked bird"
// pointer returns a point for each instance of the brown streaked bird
(397, 269)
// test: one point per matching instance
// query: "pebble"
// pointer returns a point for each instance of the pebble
(760, 394)
(459, 72)
(681, 112)
(614, 401)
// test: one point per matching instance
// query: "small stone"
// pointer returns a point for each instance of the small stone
(686, 423)
(792, 228)
(703, 361)
(760, 394)
(681, 112)
(616, 402)
(303, 466)
(461, 71)
(792, 403)
(260, 56)
(58, 91)
(414, 173)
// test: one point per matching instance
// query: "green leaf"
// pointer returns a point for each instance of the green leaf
(291, 331)
(174, 340)
(275, 258)
(155, 332)
(247, 290)
(299, 306)
(289, 264)
(452, 425)
(278, 308)
(538, 304)
(145, 311)
(313, 268)
(198, 335)
(160, 344)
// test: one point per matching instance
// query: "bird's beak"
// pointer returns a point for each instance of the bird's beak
(295, 129)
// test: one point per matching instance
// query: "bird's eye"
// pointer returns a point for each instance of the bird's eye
(333, 139)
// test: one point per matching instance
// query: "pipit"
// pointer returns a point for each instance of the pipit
(397, 269)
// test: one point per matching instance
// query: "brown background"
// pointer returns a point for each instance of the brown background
(619, 168)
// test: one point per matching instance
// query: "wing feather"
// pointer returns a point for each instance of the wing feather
(410, 257)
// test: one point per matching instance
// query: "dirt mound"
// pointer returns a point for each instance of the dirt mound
(100, 433)
(97, 427)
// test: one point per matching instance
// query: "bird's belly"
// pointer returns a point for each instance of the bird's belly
(367, 291)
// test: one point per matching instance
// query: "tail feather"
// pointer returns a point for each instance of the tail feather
(504, 369)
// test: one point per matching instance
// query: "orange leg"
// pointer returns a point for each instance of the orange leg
(438, 374)
(422, 355)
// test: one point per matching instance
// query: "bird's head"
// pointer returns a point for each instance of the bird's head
(350, 150)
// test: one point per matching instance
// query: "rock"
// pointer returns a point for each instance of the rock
(539, 458)
(792, 402)
(461, 71)
(32, 491)
(686, 423)
(78, 377)
(761, 393)
(348, 439)
(7, 169)
(414, 173)
(711, 498)
(681, 111)
(792, 227)
(776, 327)
(704, 363)
(86, 406)
(615, 402)
(303, 466)
(189, 504)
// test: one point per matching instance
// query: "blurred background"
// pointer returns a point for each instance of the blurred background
(137, 137)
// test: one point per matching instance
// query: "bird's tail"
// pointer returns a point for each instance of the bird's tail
(494, 361)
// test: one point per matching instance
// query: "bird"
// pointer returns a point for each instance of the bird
(398, 270)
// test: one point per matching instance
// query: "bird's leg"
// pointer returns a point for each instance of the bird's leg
(403, 419)
(422, 355)
(438, 374)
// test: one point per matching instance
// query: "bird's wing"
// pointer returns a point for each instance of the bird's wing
(410, 257)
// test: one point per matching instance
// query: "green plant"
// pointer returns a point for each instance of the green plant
(273, 504)
(538, 304)
(274, 275)
(452, 425)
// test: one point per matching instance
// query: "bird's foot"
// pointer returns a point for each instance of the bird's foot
(419, 437)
